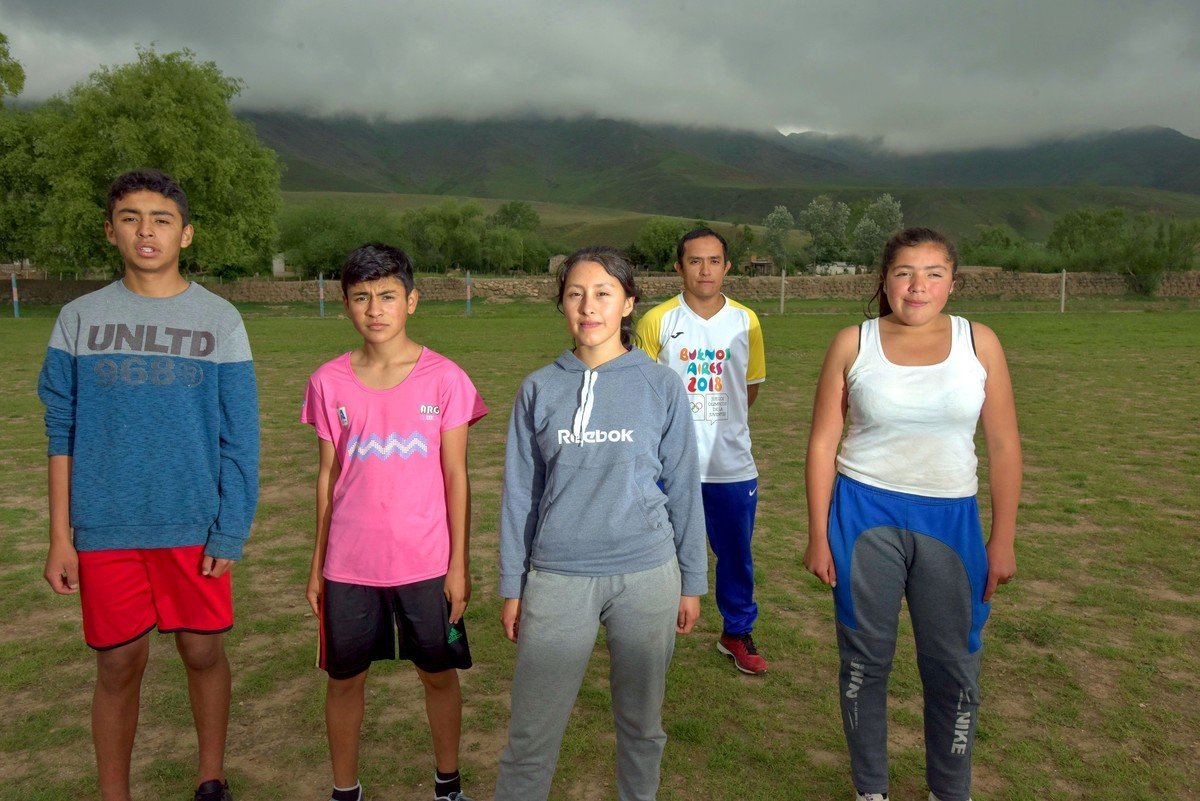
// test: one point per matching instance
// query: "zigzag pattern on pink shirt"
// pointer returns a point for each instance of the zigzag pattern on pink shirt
(384, 449)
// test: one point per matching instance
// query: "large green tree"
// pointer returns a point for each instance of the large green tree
(1090, 232)
(740, 244)
(882, 218)
(447, 235)
(171, 112)
(502, 249)
(516, 214)
(12, 75)
(778, 227)
(317, 237)
(22, 187)
(657, 239)
(825, 221)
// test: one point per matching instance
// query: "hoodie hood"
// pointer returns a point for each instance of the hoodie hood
(632, 358)
(568, 361)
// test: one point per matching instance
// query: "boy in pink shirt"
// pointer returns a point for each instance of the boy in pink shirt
(393, 515)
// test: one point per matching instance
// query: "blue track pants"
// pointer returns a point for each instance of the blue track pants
(729, 516)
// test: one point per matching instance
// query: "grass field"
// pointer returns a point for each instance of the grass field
(1092, 657)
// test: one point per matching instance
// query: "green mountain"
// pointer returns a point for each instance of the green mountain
(734, 176)
(1156, 158)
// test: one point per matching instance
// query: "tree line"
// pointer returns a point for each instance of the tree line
(1139, 246)
(826, 232)
(315, 237)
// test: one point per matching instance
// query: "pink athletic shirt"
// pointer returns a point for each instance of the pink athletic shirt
(389, 503)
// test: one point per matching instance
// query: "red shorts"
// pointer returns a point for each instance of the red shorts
(125, 593)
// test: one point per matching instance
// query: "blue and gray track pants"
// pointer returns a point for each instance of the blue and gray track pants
(887, 545)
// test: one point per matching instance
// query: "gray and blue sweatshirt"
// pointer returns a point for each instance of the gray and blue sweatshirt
(601, 475)
(155, 401)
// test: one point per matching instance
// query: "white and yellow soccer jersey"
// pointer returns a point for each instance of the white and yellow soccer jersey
(716, 359)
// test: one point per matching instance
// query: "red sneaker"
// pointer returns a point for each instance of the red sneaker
(745, 656)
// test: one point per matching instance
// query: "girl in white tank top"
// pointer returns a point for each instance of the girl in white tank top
(912, 427)
(912, 384)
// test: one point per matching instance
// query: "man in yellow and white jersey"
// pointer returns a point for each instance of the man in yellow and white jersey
(715, 344)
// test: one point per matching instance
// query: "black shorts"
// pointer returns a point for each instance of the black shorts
(359, 625)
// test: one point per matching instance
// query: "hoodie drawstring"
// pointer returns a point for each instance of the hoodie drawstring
(587, 399)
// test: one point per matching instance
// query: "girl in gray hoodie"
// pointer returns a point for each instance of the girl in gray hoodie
(602, 524)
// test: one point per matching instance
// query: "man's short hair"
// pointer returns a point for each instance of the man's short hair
(700, 233)
(150, 181)
(374, 261)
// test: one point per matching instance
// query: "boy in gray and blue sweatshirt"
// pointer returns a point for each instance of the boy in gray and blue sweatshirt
(152, 417)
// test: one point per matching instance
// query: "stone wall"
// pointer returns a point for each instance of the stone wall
(978, 284)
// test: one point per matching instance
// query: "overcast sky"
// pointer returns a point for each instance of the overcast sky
(921, 74)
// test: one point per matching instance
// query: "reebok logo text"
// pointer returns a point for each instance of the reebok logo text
(565, 437)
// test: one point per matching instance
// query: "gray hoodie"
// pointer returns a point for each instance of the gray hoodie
(586, 453)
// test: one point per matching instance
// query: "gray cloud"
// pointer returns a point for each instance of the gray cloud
(918, 73)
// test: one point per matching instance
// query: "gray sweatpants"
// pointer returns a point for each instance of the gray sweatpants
(560, 616)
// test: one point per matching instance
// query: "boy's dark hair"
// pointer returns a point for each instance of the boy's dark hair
(150, 181)
(616, 264)
(909, 237)
(700, 233)
(374, 261)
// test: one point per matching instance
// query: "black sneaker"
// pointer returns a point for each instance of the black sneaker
(213, 790)
(358, 790)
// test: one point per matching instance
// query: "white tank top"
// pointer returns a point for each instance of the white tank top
(912, 429)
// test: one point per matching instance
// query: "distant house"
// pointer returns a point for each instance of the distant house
(279, 267)
(759, 265)
(556, 262)
(835, 268)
